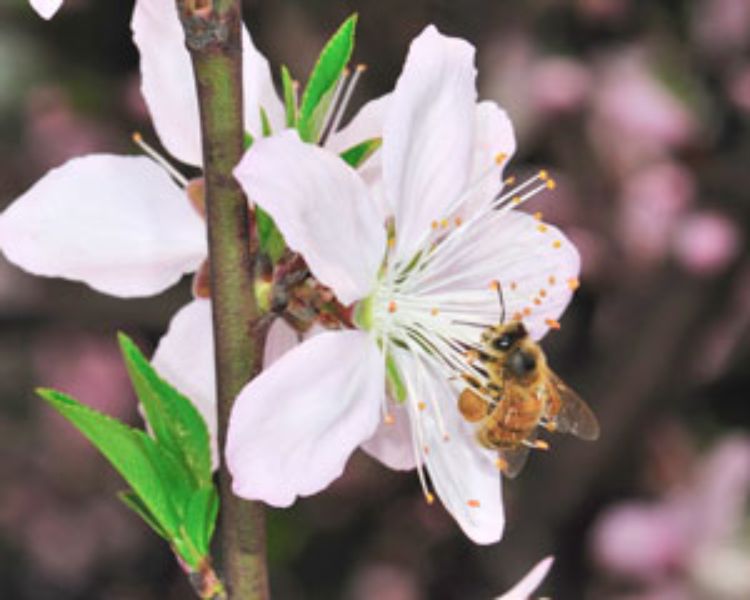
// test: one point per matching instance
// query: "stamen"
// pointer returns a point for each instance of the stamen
(358, 70)
(392, 306)
(557, 244)
(421, 405)
(500, 158)
(538, 216)
(434, 311)
(552, 280)
(473, 503)
(389, 419)
(176, 175)
(573, 283)
(501, 464)
(330, 116)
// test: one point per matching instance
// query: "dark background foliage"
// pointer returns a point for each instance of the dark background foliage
(641, 111)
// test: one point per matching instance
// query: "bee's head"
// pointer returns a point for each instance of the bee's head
(501, 339)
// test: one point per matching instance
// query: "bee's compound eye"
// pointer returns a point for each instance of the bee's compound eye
(521, 363)
(502, 343)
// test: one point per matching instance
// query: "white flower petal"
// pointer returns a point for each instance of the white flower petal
(294, 426)
(280, 339)
(535, 263)
(258, 88)
(167, 81)
(117, 223)
(168, 84)
(464, 474)
(391, 444)
(321, 206)
(185, 358)
(46, 8)
(428, 135)
(493, 136)
(366, 124)
(533, 579)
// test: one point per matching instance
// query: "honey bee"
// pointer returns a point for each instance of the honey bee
(519, 394)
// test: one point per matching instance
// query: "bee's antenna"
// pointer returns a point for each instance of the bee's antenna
(499, 288)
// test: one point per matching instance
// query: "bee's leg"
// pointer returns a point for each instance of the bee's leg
(536, 444)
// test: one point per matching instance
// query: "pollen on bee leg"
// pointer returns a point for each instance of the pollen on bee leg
(539, 445)
(473, 503)
(552, 323)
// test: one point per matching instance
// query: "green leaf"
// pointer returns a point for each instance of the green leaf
(269, 237)
(131, 452)
(356, 155)
(133, 502)
(247, 140)
(290, 97)
(266, 128)
(200, 518)
(322, 83)
(176, 423)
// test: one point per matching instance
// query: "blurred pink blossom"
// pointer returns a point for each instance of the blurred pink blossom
(652, 201)
(636, 118)
(380, 581)
(706, 242)
(603, 10)
(672, 540)
(55, 133)
(722, 25)
(559, 85)
(739, 88)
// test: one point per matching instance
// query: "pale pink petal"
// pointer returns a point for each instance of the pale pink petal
(533, 579)
(493, 136)
(321, 206)
(391, 444)
(168, 84)
(46, 8)
(463, 473)
(117, 223)
(536, 265)
(294, 426)
(428, 135)
(280, 339)
(259, 91)
(185, 358)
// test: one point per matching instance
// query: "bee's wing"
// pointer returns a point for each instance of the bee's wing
(513, 460)
(573, 416)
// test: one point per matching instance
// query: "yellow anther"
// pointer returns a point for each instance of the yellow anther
(538, 216)
(552, 280)
(429, 498)
(573, 283)
(543, 293)
(557, 244)
(391, 242)
(435, 224)
(501, 464)
(422, 406)
(543, 175)
(510, 180)
(541, 228)
(434, 312)
(473, 503)
(513, 285)
(516, 200)
(392, 306)
(551, 184)
(444, 223)
(389, 419)
(537, 301)
(552, 323)
(500, 157)
(494, 285)
(137, 137)
(517, 316)
(527, 312)
(361, 67)
(458, 221)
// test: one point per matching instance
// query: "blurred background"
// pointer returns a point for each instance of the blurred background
(640, 109)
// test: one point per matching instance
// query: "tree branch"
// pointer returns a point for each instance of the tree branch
(212, 33)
